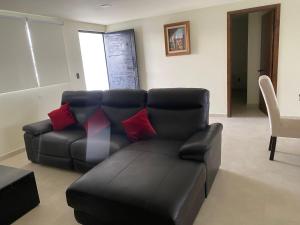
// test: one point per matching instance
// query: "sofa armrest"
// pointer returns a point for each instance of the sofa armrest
(38, 128)
(199, 143)
(205, 146)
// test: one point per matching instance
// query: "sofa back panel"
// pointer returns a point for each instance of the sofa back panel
(124, 98)
(83, 103)
(177, 113)
(178, 98)
(119, 105)
(117, 115)
(82, 98)
(83, 113)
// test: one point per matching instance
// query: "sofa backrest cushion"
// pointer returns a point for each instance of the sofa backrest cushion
(119, 105)
(83, 103)
(177, 113)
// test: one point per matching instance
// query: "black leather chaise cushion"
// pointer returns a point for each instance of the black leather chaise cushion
(161, 146)
(119, 105)
(177, 113)
(140, 187)
(83, 103)
(97, 148)
(57, 143)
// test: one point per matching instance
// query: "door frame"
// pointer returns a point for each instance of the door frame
(230, 15)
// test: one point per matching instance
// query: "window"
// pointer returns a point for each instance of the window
(93, 59)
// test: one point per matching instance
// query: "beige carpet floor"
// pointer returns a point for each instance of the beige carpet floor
(249, 189)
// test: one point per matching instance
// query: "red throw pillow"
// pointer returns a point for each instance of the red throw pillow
(62, 117)
(96, 123)
(138, 126)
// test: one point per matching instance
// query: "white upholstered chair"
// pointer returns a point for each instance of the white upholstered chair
(280, 127)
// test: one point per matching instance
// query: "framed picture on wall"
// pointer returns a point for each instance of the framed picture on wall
(177, 38)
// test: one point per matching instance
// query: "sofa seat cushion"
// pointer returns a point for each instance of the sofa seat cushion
(160, 146)
(57, 143)
(135, 187)
(95, 149)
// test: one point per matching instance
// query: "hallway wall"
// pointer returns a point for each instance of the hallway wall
(254, 47)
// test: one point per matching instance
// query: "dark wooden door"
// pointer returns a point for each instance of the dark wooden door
(121, 60)
(267, 46)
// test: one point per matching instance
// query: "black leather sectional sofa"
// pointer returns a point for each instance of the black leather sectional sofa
(159, 181)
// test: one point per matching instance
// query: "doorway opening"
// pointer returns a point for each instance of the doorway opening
(253, 42)
(93, 59)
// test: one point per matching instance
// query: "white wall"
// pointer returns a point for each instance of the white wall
(254, 47)
(23, 107)
(207, 65)
(203, 68)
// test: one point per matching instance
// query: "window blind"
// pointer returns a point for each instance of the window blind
(16, 65)
(49, 52)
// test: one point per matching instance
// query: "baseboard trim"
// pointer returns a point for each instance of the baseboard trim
(11, 154)
(218, 115)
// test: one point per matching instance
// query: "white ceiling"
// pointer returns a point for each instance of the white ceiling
(90, 10)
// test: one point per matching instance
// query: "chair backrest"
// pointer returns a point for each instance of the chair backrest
(268, 93)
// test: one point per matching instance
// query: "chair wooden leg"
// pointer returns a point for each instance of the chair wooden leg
(272, 147)
(270, 144)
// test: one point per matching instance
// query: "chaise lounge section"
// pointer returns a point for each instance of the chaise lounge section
(159, 181)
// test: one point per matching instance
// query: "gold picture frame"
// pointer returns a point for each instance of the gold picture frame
(177, 38)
